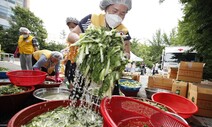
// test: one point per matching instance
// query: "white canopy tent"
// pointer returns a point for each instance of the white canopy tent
(133, 57)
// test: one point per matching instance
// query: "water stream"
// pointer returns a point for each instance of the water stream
(83, 91)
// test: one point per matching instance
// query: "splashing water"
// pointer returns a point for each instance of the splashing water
(83, 91)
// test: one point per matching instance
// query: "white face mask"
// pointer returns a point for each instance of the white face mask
(25, 35)
(71, 29)
(113, 20)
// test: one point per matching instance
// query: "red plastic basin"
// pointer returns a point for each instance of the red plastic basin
(184, 107)
(26, 77)
(11, 103)
(28, 113)
(119, 111)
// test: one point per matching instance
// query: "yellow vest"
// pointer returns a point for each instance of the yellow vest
(50, 67)
(37, 54)
(25, 45)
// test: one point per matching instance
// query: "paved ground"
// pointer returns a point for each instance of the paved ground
(11, 65)
(195, 121)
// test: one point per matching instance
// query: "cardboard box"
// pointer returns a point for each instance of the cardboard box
(201, 95)
(160, 82)
(190, 71)
(180, 88)
(172, 72)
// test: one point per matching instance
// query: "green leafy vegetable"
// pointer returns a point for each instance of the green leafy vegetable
(10, 89)
(101, 57)
(130, 83)
(4, 69)
(67, 117)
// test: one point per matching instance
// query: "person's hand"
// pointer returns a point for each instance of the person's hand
(57, 78)
(16, 52)
(15, 55)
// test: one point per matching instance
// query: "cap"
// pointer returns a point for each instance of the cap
(71, 19)
(105, 3)
(24, 30)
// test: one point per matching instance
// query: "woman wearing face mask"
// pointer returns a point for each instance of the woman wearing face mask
(115, 11)
(27, 44)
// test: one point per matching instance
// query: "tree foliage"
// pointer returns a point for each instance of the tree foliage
(159, 41)
(152, 52)
(196, 28)
(22, 18)
(54, 46)
(25, 18)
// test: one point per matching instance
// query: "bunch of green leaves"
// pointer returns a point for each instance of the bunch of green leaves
(10, 89)
(4, 69)
(67, 117)
(101, 56)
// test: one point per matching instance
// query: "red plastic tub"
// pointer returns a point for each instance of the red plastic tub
(11, 103)
(119, 111)
(26, 77)
(28, 113)
(184, 107)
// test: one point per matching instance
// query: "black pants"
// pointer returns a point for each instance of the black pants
(70, 71)
(116, 89)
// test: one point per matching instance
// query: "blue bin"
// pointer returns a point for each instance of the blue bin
(3, 75)
(127, 90)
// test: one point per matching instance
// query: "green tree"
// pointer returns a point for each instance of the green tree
(54, 46)
(141, 50)
(196, 28)
(156, 45)
(172, 38)
(152, 53)
(23, 18)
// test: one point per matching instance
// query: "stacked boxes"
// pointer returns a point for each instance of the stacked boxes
(180, 88)
(160, 82)
(201, 95)
(190, 71)
(187, 82)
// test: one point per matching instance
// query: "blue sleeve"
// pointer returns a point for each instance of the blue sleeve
(40, 62)
(85, 22)
(128, 37)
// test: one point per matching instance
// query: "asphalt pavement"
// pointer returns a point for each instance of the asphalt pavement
(11, 65)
